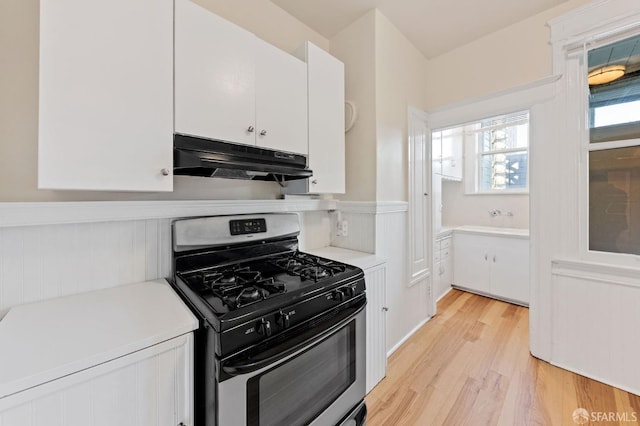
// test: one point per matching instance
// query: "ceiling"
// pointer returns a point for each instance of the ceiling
(433, 26)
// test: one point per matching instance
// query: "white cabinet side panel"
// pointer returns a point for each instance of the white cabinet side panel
(376, 326)
(106, 98)
(149, 392)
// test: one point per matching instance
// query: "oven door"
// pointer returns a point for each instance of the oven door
(317, 381)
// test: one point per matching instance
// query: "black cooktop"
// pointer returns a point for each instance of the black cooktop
(284, 276)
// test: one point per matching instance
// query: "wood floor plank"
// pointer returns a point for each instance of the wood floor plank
(470, 365)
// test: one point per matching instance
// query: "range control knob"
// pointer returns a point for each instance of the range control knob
(338, 295)
(350, 291)
(284, 320)
(264, 327)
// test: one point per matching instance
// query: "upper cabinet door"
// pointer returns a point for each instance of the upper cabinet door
(215, 76)
(281, 100)
(326, 121)
(106, 99)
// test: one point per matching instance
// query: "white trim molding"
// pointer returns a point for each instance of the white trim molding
(373, 207)
(48, 213)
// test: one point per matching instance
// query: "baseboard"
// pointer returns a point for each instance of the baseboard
(405, 338)
(444, 294)
(596, 378)
(491, 296)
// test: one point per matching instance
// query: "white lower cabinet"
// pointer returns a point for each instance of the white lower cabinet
(151, 387)
(442, 266)
(376, 325)
(496, 266)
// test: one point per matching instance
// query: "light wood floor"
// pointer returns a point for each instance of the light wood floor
(471, 365)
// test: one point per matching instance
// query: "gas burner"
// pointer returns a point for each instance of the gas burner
(237, 286)
(314, 273)
(308, 267)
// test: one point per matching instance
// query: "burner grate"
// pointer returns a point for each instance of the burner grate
(237, 286)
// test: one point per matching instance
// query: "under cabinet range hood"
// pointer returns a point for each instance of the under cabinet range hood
(194, 156)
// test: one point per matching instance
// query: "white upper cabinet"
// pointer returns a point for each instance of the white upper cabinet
(106, 98)
(215, 63)
(326, 121)
(447, 155)
(281, 100)
(232, 86)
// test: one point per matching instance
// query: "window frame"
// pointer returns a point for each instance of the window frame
(480, 153)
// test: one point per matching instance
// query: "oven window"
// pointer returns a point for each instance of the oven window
(295, 392)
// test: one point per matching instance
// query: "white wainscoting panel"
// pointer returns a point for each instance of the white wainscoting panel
(376, 325)
(42, 262)
(595, 326)
(408, 306)
(361, 231)
(149, 388)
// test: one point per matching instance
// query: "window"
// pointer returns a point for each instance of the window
(614, 149)
(497, 154)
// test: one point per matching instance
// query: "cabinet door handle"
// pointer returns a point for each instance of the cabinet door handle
(486, 256)
(385, 309)
(263, 133)
(165, 172)
(250, 129)
(494, 258)
(315, 181)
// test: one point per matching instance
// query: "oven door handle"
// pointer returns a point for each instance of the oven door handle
(294, 345)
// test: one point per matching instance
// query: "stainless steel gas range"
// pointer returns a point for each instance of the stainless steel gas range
(282, 333)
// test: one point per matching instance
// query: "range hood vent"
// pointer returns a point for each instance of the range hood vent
(193, 156)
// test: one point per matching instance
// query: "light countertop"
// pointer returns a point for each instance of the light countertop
(351, 257)
(47, 340)
(493, 231)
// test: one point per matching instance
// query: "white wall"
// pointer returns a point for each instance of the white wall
(515, 55)
(400, 83)
(355, 47)
(461, 209)
(19, 34)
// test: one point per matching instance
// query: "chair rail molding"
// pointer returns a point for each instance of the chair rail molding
(53, 213)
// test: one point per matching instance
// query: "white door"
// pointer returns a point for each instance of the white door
(281, 100)
(419, 200)
(106, 97)
(215, 76)
(510, 269)
(471, 262)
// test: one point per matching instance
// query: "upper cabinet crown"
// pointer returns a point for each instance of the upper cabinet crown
(106, 97)
(232, 86)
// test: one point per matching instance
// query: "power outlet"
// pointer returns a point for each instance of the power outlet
(343, 228)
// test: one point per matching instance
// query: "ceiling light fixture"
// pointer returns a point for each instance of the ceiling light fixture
(606, 74)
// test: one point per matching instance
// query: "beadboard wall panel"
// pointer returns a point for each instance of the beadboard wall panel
(585, 305)
(361, 234)
(46, 261)
(42, 262)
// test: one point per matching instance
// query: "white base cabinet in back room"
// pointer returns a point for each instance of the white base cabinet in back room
(232, 86)
(492, 265)
(442, 266)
